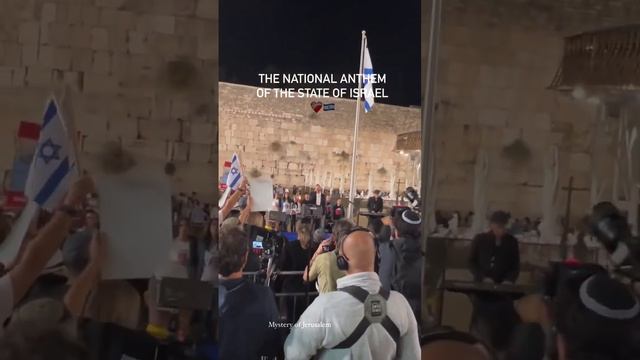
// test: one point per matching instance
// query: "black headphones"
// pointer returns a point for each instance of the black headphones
(342, 261)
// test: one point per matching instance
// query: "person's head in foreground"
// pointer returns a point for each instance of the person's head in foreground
(340, 229)
(339, 202)
(407, 224)
(357, 252)
(376, 193)
(39, 343)
(448, 344)
(498, 223)
(596, 319)
(304, 234)
(233, 249)
(318, 188)
(307, 197)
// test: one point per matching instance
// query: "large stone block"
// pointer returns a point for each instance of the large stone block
(29, 55)
(48, 13)
(90, 15)
(207, 9)
(164, 24)
(6, 75)
(29, 33)
(108, 17)
(137, 42)
(101, 62)
(80, 37)
(37, 76)
(59, 34)
(100, 84)
(81, 59)
(99, 38)
(493, 117)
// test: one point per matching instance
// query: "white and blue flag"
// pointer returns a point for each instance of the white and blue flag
(235, 173)
(367, 76)
(53, 166)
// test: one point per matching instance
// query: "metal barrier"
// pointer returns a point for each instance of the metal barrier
(286, 300)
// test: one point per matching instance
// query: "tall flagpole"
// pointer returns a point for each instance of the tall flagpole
(354, 153)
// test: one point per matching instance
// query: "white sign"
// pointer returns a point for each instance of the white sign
(135, 214)
(261, 193)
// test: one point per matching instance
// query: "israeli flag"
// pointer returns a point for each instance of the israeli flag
(367, 72)
(53, 167)
(235, 174)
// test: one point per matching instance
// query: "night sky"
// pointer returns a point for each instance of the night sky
(300, 36)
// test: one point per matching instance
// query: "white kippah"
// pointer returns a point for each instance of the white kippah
(603, 310)
(406, 219)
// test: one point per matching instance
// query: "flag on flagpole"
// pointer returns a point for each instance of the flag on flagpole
(53, 166)
(367, 73)
(235, 173)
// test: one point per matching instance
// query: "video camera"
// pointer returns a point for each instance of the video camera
(265, 243)
(611, 229)
(412, 197)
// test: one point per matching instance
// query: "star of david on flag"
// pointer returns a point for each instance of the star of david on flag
(235, 173)
(53, 166)
(367, 70)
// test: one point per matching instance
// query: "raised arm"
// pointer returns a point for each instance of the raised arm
(47, 241)
(233, 200)
(76, 297)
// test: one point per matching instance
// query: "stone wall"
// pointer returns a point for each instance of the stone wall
(135, 69)
(497, 59)
(286, 139)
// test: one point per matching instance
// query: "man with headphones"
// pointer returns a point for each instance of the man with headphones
(360, 320)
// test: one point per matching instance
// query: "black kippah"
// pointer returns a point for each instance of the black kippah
(608, 298)
(500, 217)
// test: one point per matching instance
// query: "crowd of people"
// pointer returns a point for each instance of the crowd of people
(358, 291)
(368, 307)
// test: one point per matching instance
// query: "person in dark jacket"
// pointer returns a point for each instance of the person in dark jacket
(407, 276)
(495, 258)
(248, 324)
(382, 231)
(375, 203)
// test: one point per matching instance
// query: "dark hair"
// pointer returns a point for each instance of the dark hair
(29, 343)
(340, 228)
(233, 247)
(375, 225)
(586, 334)
(376, 192)
(404, 228)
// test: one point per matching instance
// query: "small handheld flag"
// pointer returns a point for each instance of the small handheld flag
(235, 173)
(53, 165)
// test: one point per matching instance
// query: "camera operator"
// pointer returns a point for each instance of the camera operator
(247, 311)
(323, 265)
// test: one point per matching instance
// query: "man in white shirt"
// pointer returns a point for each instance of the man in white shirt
(337, 325)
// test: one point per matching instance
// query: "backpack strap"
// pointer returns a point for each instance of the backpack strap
(357, 292)
(362, 295)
